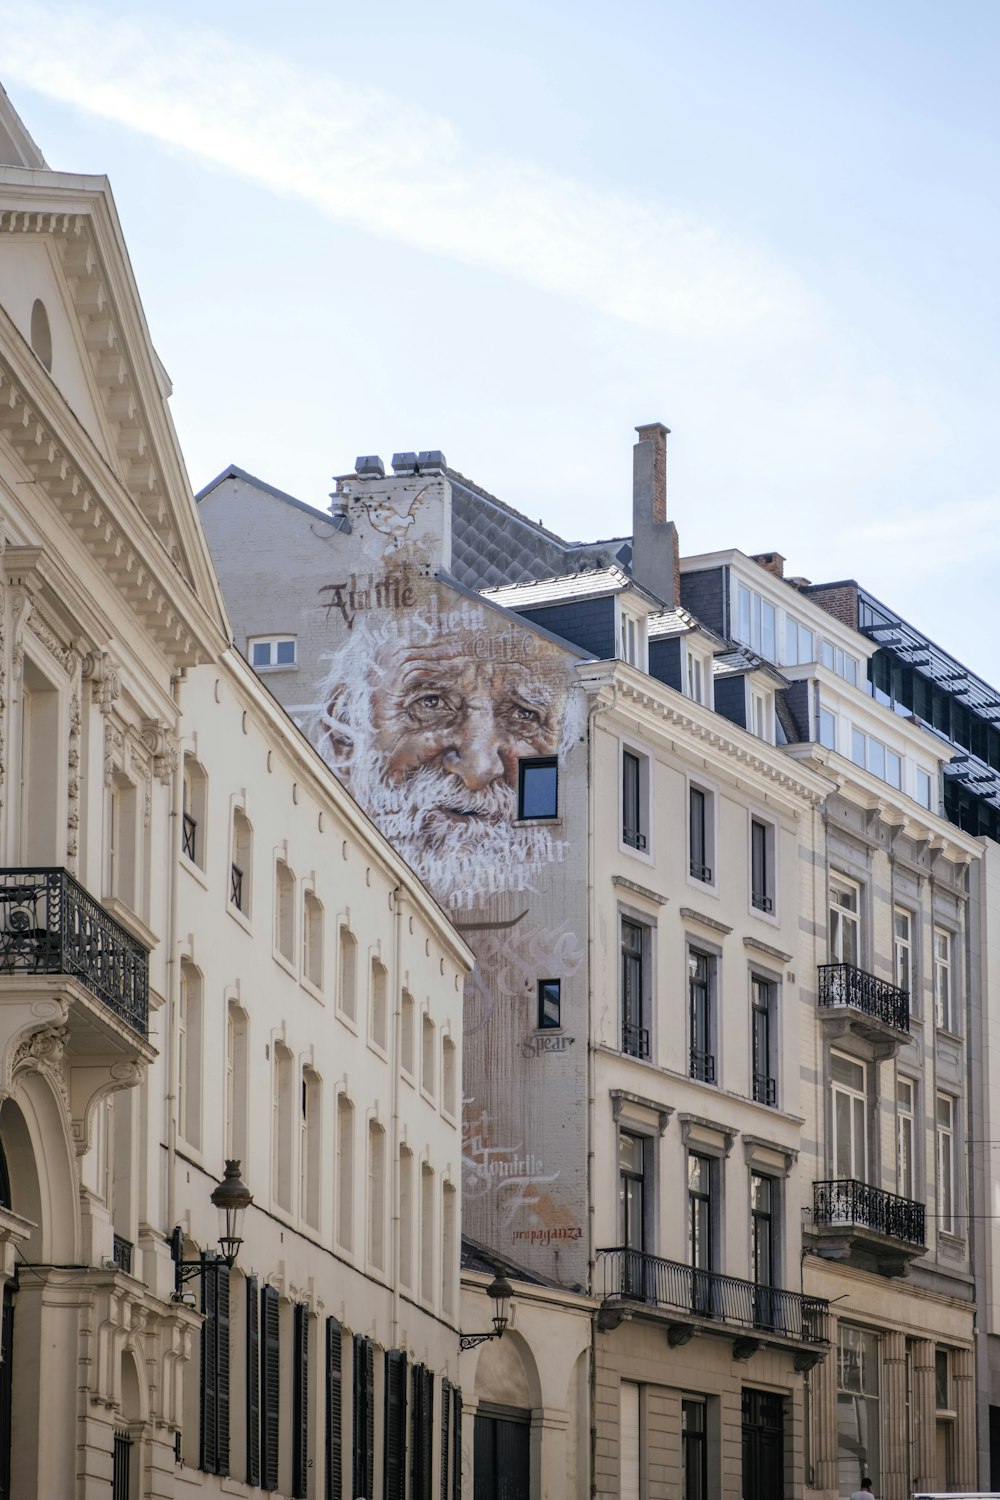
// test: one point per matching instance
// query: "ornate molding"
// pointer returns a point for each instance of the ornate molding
(67, 656)
(101, 671)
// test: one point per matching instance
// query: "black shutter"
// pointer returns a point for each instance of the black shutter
(456, 1433)
(253, 1382)
(421, 1467)
(270, 1386)
(300, 1402)
(417, 1382)
(445, 1445)
(395, 1425)
(364, 1416)
(334, 1412)
(214, 1444)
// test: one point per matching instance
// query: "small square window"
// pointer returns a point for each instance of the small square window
(261, 656)
(549, 1003)
(285, 653)
(274, 651)
(538, 788)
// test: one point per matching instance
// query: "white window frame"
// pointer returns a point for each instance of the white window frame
(770, 893)
(710, 793)
(855, 1096)
(760, 712)
(902, 944)
(944, 979)
(946, 1159)
(646, 786)
(272, 642)
(752, 634)
(906, 1137)
(845, 917)
(631, 636)
(697, 675)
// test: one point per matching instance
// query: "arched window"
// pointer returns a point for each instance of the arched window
(406, 1216)
(240, 871)
(408, 1029)
(449, 1264)
(41, 333)
(284, 911)
(194, 826)
(312, 939)
(379, 1005)
(376, 1194)
(311, 1148)
(347, 997)
(426, 1232)
(449, 1077)
(345, 1172)
(427, 1079)
(281, 1127)
(189, 1028)
(236, 1083)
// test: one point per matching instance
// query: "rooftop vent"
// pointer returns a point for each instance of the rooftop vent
(369, 466)
(404, 463)
(431, 461)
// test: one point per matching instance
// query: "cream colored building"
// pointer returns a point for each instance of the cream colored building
(206, 952)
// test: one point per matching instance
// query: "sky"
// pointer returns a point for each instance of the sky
(513, 232)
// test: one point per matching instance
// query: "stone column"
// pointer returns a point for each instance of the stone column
(923, 1408)
(964, 1387)
(894, 1477)
(823, 1417)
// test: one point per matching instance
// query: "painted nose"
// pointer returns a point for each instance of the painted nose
(476, 756)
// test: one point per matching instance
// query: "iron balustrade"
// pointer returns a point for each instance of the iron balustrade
(633, 838)
(637, 1276)
(765, 1089)
(236, 887)
(635, 1040)
(701, 1065)
(846, 984)
(50, 925)
(761, 902)
(189, 837)
(122, 1254)
(847, 1201)
(121, 1475)
(701, 872)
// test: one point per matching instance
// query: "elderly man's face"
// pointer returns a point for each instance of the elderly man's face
(439, 708)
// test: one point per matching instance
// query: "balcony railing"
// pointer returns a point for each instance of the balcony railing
(633, 838)
(701, 872)
(635, 1040)
(236, 886)
(50, 925)
(765, 1089)
(701, 1065)
(846, 984)
(189, 837)
(122, 1254)
(634, 1275)
(847, 1201)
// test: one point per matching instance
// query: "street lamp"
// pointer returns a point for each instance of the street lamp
(501, 1294)
(232, 1198)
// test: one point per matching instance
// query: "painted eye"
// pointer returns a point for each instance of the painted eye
(525, 715)
(429, 700)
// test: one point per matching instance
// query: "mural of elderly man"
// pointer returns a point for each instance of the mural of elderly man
(425, 714)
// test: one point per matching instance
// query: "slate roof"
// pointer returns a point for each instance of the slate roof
(592, 583)
(737, 660)
(235, 472)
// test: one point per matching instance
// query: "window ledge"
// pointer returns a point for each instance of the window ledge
(536, 822)
(347, 1020)
(284, 962)
(239, 916)
(951, 1036)
(378, 1049)
(639, 890)
(195, 871)
(428, 1098)
(697, 916)
(759, 947)
(277, 667)
(312, 989)
(128, 919)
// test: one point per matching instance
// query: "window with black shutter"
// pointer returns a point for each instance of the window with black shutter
(394, 1467)
(214, 1454)
(364, 1416)
(334, 1412)
(270, 1386)
(456, 1437)
(422, 1434)
(253, 1381)
(300, 1401)
(445, 1445)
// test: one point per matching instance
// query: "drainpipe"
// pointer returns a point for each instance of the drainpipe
(396, 1052)
(173, 962)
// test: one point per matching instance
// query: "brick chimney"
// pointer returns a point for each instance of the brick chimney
(771, 562)
(656, 563)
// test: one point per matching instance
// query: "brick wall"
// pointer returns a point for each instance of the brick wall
(838, 599)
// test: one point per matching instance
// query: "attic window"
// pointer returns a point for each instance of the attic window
(41, 334)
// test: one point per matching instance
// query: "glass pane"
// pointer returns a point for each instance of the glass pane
(539, 789)
(743, 615)
(923, 788)
(791, 642)
(805, 644)
(827, 729)
(850, 671)
(767, 635)
(826, 655)
(842, 1165)
(261, 654)
(876, 758)
(893, 769)
(860, 1167)
(857, 747)
(286, 653)
(845, 1070)
(630, 1152)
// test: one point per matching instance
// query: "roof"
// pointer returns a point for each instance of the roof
(235, 472)
(589, 583)
(670, 622)
(17, 149)
(737, 660)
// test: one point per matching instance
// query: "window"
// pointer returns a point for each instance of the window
(631, 1192)
(944, 1016)
(376, 1194)
(406, 1216)
(239, 874)
(857, 1406)
(701, 1015)
(194, 817)
(827, 729)
(538, 788)
(334, 1404)
(845, 922)
(41, 333)
(942, 1381)
(635, 793)
(284, 911)
(635, 1035)
(236, 1083)
(699, 676)
(701, 1249)
(901, 949)
(379, 1029)
(189, 1055)
(310, 1147)
(873, 755)
(925, 789)
(761, 865)
(272, 651)
(837, 660)
(363, 1405)
(408, 1036)
(312, 939)
(345, 1172)
(762, 715)
(426, 1232)
(300, 1401)
(122, 841)
(632, 639)
(755, 622)
(700, 838)
(449, 1077)
(449, 1265)
(427, 1079)
(214, 1435)
(799, 647)
(549, 1003)
(945, 1138)
(282, 1106)
(694, 1450)
(629, 1441)
(905, 1138)
(347, 996)
(763, 1238)
(765, 1088)
(849, 1079)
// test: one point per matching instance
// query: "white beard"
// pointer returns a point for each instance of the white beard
(460, 860)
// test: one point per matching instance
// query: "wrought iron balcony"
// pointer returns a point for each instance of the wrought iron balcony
(765, 1089)
(635, 1040)
(50, 925)
(637, 1277)
(847, 985)
(122, 1254)
(701, 1065)
(858, 1205)
(701, 872)
(633, 838)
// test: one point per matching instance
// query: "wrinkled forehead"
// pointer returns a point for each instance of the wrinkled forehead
(511, 656)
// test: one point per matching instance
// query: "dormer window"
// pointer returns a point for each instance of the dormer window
(761, 713)
(755, 622)
(837, 660)
(799, 643)
(698, 677)
(268, 652)
(632, 639)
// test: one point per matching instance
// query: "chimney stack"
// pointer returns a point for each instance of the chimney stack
(771, 562)
(655, 548)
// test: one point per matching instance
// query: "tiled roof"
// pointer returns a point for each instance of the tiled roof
(738, 660)
(594, 583)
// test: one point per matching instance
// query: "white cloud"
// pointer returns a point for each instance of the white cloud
(368, 158)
